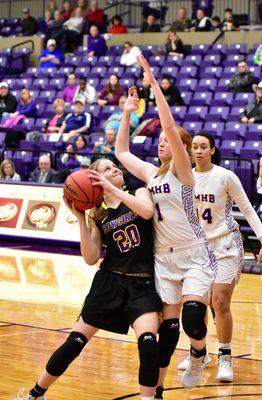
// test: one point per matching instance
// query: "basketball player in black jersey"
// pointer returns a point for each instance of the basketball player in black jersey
(123, 291)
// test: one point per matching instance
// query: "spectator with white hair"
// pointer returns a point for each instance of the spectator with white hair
(44, 173)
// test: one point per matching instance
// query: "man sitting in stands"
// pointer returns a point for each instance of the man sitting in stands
(8, 101)
(51, 56)
(253, 111)
(29, 23)
(44, 173)
(243, 80)
(77, 121)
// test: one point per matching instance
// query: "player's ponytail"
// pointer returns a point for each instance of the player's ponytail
(96, 213)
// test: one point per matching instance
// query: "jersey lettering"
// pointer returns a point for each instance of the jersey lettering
(209, 198)
(165, 188)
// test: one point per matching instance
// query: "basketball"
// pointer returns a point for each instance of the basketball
(78, 189)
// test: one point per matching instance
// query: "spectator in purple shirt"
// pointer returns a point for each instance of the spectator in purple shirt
(96, 44)
(70, 90)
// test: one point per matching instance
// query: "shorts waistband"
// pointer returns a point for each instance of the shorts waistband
(172, 249)
(138, 274)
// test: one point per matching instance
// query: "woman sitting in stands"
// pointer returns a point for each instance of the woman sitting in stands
(55, 123)
(111, 93)
(7, 171)
(174, 45)
(79, 146)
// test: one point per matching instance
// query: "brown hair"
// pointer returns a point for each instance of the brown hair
(187, 140)
(113, 89)
(2, 165)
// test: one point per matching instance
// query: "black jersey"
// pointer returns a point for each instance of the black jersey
(128, 239)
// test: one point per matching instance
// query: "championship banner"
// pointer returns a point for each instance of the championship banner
(36, 212)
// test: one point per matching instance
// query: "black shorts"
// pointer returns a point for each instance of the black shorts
(115, 301)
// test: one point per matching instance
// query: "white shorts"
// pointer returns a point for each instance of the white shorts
(229, 253)
(183, 273)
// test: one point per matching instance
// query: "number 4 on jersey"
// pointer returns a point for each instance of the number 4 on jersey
(206, 216)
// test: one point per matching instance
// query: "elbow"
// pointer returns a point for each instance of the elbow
(90, 260)
(148, 213)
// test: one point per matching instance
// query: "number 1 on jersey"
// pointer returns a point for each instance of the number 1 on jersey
(159, 215)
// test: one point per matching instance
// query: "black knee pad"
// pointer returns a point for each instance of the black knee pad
(168, 339)
(149, 360)
(66, 353)
(193, 319)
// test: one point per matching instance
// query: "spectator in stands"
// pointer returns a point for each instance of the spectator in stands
(113, 121)
(28, 23)
(174, 45)
(258, 55)
(55, 29)
(8, 102)
(141, 104)
(150, 25)
(146, 92)
(117, 26)
(156, 8)
(44, 23)
(182, 23)
(8, 172)
(216, 24)
(55, 123)
(171, 92)
(51, 56)
(202, 23)
(86, 91)
(44, 173)
(96, 16)
(67, 10)
(206, 5)
(78, 121)
(70, 90)
(79, 146)
(230, 22)
(259, 179)
(253, 111)
(129, 54)
(73, 30)
(243, 80)
(26, 108)
(52, 7)
(106, 147)
(111, 93)
(82, 5)
(96, 44)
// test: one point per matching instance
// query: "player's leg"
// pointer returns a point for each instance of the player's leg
(221, 298)
(145, 328)
(63, 357)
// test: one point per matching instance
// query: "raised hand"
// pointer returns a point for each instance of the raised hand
(148, 74)
(131, 103)
(100, 180)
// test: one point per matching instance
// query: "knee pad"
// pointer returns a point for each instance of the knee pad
(149, 360)
(66, 353)
(168, 339)
(193, 319)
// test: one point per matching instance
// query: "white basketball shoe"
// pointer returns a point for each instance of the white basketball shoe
(193, 374)
(225, 368)
(21, 396)
(184, 364)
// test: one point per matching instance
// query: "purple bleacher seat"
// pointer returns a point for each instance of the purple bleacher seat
(6, 31)
(193, 127)
(236, 127)
(221, 48)
(256, 71)
(105, 61)
(169, 70)
(35, 93)
(151, 112)
(47, 96)
(3, 22)
(248, 97)
(187, 84)
(196, 113)
(186, 96)
(56, 84)
(28, 123)
(93, 109)
(2, 138)
(199, 49)
(201, 99)
(255, 128)
(192, 60)
(232, 59)
(84, 71)
(229, 71)
(211, 72)
(117, 70)
(231, 148)
(11, 82)
(40, 109)
(158, 61)
(235, 113)
(89, 61)
(151, 49)
(251, 149)
(222, 85)
(222, 99)
(178, 111)
(115, 50)
(188, 71)
(250, 59)
(30, 72)
(94, 82)
(155, 70)
(98, 72)
(174, 60)
(82, 50)
(237, 48)
(40, 123)
(207, 84)
(218, 113)
(23, 83)
(40, 83)
(47, 72)
(14, 22)
(72, 61)
(126, 82)
(131, 72)
(3, 61)
(215, 128)
(106, 111)
(211, 59)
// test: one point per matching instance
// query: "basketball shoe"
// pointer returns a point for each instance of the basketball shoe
(159, 393)
(225, 368)
(22, 396)
(193, 374)
(184, 364)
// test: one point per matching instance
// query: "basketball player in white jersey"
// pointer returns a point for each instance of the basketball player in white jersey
(184, 264)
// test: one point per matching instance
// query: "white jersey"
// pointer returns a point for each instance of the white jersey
(215, 192)
(175, 218)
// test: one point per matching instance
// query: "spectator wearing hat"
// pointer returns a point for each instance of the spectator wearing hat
(8, 102)
(51, 56)
(117, 26)
(78, 121)
(28, 23)
(150, 25)
(243, 80)
(253, 111)
(96, 44)
(86, 91)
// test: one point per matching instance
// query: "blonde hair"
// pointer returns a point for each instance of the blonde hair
(2, 165)
(59, 102)
(25, 91)
(187, 140)
(97, 213)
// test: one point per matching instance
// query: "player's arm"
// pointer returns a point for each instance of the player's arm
(180, 158)
(132, 163)
(238, 195)
(90, 238)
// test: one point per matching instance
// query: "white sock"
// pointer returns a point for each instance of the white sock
(225, 346)
(147, 398)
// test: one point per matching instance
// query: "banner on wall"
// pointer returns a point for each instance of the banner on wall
(36, 212)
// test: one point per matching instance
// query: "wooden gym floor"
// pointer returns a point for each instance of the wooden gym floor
(40, 296)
